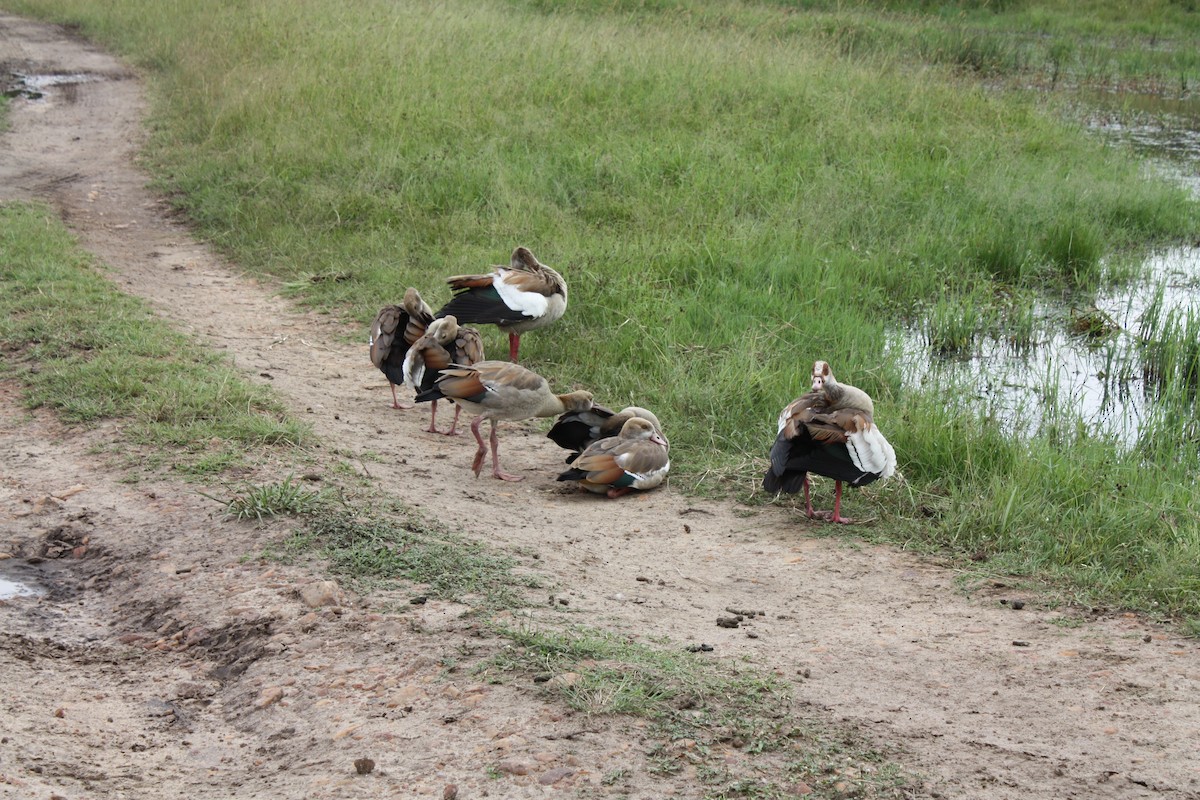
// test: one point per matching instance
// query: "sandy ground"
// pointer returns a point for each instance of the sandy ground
(163, 663)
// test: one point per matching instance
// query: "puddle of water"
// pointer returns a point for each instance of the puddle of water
(10, 589)
(1101, 380)
(33, 87)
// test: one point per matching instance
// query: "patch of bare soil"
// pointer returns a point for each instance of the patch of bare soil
(162, 664)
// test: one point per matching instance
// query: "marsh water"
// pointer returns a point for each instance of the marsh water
(1086, 363)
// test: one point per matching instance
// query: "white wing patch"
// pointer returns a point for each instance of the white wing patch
(414, 372)
(644, 480)
(530, 304)
(871, 452)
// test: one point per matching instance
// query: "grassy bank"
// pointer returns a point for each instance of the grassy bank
(732, 190)
(122, 364)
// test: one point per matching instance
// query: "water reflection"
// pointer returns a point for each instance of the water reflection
(1087, 360)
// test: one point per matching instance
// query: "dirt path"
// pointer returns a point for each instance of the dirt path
(163, 665)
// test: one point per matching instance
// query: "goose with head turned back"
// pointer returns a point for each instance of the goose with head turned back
(829, 431)
(445, 342)
(523, 296)
(576, 430)
(500, 390)
(394, 330)
(636, 458)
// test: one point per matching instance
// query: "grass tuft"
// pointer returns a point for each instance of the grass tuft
(391, 542)
(282, 498)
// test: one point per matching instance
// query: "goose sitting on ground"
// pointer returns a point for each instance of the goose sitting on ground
(499, 390)
(636, 458)
(394, 330)
(518, 298)
(830, 431)
(576, 430)
(444, 343)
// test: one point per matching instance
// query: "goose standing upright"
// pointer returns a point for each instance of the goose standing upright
(520, 297)
(829, 431)
(576, 430)
(445, 342)
(636, 458)
(500, 390)
(394, 330)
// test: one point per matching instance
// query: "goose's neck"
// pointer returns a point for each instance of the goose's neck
(556, 404)
(839, 395)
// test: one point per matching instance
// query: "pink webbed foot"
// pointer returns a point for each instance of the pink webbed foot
(396, 401)
(615, 493)
(831, 516)
(496, 471)
(453, 425)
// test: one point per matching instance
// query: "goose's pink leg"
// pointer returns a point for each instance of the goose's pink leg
(395, 400)
(837, 506)
(836, 514)
(433, 418)
(514, 344)
(477, 464)
(454, 423)
(496, 471)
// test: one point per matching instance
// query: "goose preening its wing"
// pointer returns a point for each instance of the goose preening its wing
(831, 432)
(636, 458)
(520, 297)
(576, 430)
(500, 390)
(445, 342)
(392, 333)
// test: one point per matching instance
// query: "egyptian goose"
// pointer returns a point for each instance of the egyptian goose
(445, 342)
(500, 390)
(518, 298)
(394, 330)
(829, 431)
(575, 430)
(636, 458)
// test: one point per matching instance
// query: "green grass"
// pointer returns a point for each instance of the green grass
(698, 709)
(82, 348)
(732, 189)
(281, 498)
(380, 541)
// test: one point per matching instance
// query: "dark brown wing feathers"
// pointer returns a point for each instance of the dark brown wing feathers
(384, 330)
(469, 281)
